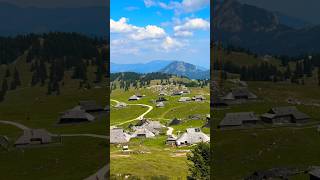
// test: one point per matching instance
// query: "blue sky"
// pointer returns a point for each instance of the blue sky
(146, 30)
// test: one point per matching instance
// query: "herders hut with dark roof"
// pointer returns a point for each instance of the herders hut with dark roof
(288, 114)
(239, 119)
(161, 99)
(198, 98)
(90, 106)
(34, 137)
(175, 121)
(75, 115)
(239, 94)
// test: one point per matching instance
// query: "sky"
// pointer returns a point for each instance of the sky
(145, 30)
(307, 10)
(58, 3)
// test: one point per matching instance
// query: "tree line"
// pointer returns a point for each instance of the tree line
(50, 55)
(127, 80)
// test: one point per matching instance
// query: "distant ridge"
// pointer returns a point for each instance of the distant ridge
(179, 68)
(186, 69)
(262, 31)
(153, 66)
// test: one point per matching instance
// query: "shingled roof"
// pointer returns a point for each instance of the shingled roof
(75, 115)
(192, 136)
(143, 132)
(239, 93)
(291, 111)
(118, 136)
(30, 136)
(90, 106)
(236, 119)
(288, 110)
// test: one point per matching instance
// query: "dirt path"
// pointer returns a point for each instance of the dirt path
(150, 108)
(170, 130)
(100, 174)
(23, 127)
(82, 135)
(16, 124)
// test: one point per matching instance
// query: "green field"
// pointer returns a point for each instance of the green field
(32, 107)
(63, 161)
(152, 157)
(264, 148)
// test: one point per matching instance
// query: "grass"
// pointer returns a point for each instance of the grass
(250, 150)
(32, 107)
(125, 114)
(67, 161)
(159, 159)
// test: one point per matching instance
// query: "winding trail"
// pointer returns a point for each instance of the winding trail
(16, 124)
(138, 118)
(99, 175)
(170, 130)
(82, 135)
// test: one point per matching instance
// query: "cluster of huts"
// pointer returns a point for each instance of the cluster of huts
(170, 89)
(81, 113)
(143, 129)
(276, 115)
(150, 129)
(197, 98)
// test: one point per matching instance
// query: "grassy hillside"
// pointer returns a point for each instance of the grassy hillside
(32, 106)
(269, 147)
(152, 157)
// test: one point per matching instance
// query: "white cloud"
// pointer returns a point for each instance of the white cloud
(171, 44)
(132, 8)
(170, 5)
(121, 26)
(135, 32)
(194, 5)
(183, 34)
(149, 32)
(185, 6)
(193, 24)
(149, 3)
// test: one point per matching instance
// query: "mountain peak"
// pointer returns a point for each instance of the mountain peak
(191, 71)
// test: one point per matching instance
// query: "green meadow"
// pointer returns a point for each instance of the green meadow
(152, 157)
(76, 157)
(268, 147)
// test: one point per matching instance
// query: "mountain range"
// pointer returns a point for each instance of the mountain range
(179, 68)
(18, 20)
(263, 31)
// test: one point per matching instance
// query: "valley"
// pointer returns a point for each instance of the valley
(146, 153)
